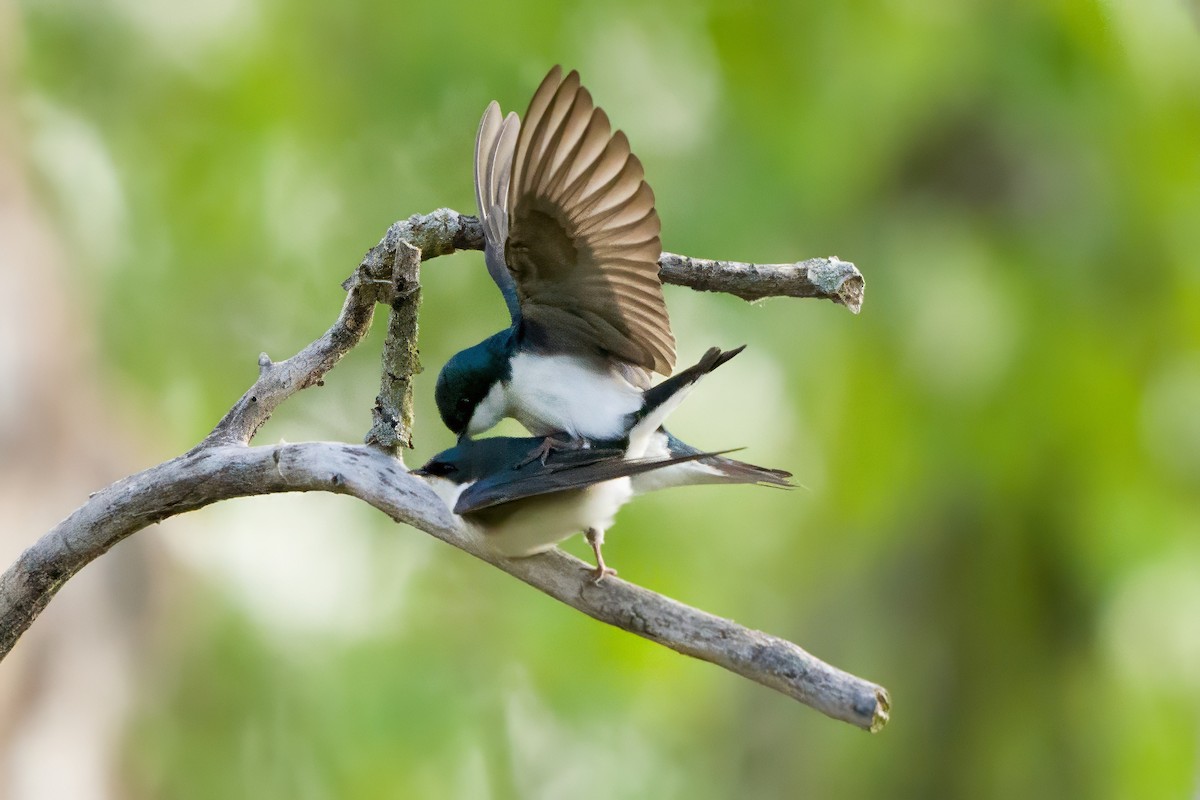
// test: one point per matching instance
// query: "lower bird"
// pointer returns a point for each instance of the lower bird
(524, 507)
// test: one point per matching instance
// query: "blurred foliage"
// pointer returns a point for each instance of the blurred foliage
(1001, 455)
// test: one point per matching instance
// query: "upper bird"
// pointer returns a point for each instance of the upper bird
(572, 241)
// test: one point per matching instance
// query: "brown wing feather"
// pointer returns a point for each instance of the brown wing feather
(583, 240)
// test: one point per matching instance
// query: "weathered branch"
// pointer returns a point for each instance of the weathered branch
(444, 231)
(829, 278)
(211, 474)
(223, 466)
(392, 418)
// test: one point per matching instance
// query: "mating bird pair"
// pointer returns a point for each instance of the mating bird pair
(572, 241)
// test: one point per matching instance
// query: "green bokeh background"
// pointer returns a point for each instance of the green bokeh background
(1001, 454)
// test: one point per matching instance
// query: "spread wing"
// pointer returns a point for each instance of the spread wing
(494, 147)
(576, 470)
(583, 236)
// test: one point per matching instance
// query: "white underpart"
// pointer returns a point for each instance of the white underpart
(687, 473)
(447, 490)
(548, 394)
(536, 524)
(646, 434)
(542, 522)
(491, 409)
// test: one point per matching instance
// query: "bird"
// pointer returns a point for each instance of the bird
(525, 506)
(572, 241)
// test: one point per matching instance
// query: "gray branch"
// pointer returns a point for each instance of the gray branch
(828, 278)
(392, 418)
(444, 231)
(223, 466)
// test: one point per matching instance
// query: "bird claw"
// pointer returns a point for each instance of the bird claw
(600, 573)
(548, 446)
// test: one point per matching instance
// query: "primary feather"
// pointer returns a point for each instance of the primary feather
(494, 149)
(571, 231)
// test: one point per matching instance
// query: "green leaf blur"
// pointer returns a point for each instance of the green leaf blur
(1001, 455)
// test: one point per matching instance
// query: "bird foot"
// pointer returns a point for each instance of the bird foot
(595, 538)
(600, 573)
(548, 446)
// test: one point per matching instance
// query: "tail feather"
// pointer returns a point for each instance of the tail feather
(729, 470)
(659, 401)
(734, 471)
(656, 396)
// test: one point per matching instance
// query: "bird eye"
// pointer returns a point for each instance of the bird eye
(464, 404)
(439, 468)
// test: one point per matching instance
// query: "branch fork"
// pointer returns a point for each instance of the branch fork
(224, 465)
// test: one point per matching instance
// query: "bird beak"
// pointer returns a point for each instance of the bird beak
(419, 472)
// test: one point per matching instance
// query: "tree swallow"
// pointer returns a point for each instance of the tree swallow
(572, 241)
(525, 506)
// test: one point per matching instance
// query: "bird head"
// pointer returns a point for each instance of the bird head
(466, 380)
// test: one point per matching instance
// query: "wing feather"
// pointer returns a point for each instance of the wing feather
(512, 485)
(495, 145)
(537, 106)
(564, 147)
(583, 236)
(580, 145)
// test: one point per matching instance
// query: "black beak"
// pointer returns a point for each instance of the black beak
(419, 471)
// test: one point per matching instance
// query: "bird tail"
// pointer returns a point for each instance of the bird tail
(716, 468)
(659, 401)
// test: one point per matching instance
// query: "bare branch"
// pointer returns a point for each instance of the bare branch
(392, 417)
(277, 381)
(444, 231)
(830, 278)
(223, 466)
(764, 659)
(209, 475)
(384, 276)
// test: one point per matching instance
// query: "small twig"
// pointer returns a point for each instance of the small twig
(222, 467)
(392, 417)
(829, 278)
(279, 380)
(375, 281)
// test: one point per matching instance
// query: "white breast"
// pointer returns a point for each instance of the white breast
(447, 490)
(590, 400)
(491, 409)
(537, 524)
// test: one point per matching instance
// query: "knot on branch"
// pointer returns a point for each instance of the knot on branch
(838, 280)
(828, 278)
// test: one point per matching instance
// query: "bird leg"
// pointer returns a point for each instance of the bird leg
(548, 446)
(595, 537)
